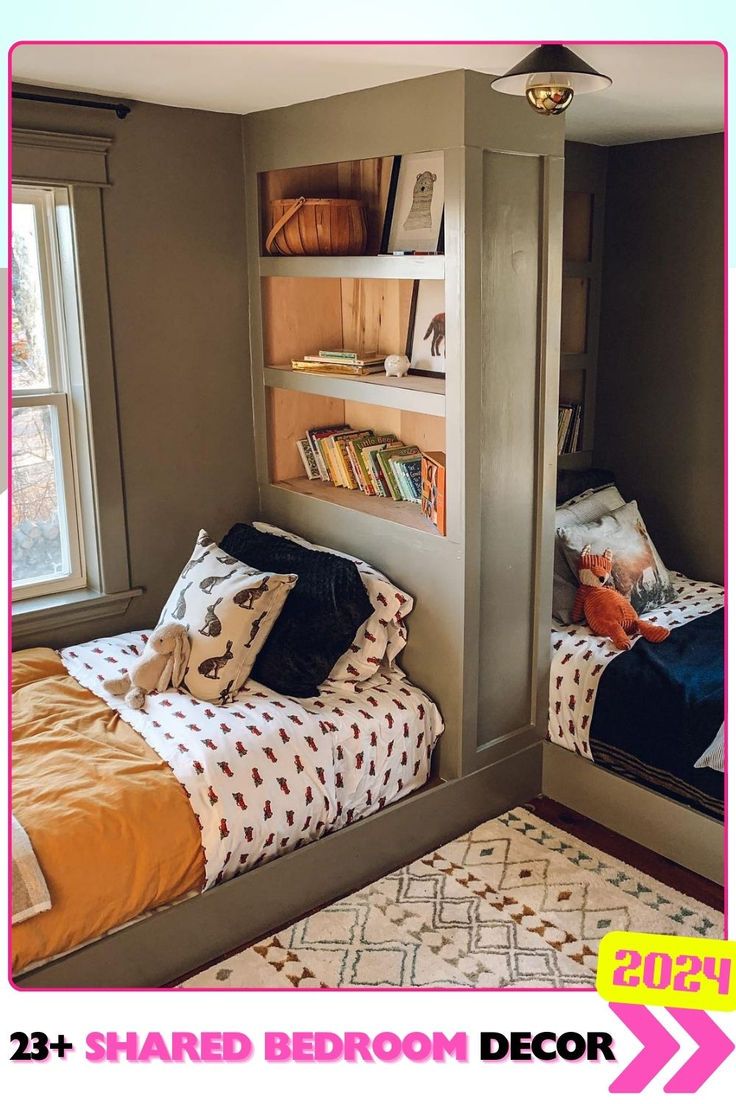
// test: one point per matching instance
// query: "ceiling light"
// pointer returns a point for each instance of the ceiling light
(549, 77)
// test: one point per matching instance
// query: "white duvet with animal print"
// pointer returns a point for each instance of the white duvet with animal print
(579, 658)
(266, 774)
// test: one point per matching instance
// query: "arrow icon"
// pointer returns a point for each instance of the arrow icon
(658, 1047)
(713, 1049)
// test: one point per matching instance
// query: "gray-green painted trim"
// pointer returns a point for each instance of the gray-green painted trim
(34, 618)
(60, 158)
(365, 268)
(667, 827)
(196, 931)
(378, 390)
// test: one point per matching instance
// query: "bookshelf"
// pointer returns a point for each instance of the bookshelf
(582, 251)
(502, 233)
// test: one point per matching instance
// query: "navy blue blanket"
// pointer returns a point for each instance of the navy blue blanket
(657, 709)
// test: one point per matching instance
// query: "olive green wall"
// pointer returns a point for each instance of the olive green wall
(174, 229)
(659, 410)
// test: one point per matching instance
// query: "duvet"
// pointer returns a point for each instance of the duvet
(129, 810)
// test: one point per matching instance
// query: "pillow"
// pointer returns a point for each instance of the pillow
(229, 609)
(638, 571)
(714, 755)
(588, 506)
(381, 638)
(320, 617)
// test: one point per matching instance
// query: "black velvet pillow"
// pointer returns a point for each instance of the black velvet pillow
(320, 617)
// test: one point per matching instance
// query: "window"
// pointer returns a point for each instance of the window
(47, 536)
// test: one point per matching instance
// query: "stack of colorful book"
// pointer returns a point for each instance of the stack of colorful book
(569, 428)
(433, 489)
(341, 362)
(361, 460)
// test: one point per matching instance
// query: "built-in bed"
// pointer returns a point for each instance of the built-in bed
(638, 721)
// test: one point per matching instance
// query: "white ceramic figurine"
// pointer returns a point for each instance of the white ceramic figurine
(397, 365)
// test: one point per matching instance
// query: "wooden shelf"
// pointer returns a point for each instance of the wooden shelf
(419, 394)
(403, 513)
(366, 268)
(575, 461)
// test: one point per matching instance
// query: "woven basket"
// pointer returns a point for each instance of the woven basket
(317, 227)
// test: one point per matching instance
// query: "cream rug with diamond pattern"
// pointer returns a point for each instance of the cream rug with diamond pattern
(515, 903)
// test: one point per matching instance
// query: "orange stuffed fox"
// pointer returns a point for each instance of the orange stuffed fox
(607, 612)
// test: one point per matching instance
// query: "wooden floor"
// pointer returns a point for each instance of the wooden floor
(649, 862)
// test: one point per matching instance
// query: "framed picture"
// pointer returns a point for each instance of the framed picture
(415, 206)
(425, 341)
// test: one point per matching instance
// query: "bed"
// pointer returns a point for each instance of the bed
(132, 811)
(640, 720)
(124, 821)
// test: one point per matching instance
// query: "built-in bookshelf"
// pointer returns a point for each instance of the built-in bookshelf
(333, 302)
(585, 175)
(503, 199)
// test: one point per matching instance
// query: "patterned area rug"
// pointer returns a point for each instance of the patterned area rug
(515, 903)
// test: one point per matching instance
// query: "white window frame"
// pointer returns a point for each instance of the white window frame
(59, 294)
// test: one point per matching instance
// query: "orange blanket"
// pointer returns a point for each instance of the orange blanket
(111, 827)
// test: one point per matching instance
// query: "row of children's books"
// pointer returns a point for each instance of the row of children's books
(569, 428)
(361, 460)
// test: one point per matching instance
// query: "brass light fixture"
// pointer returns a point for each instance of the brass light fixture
(549, 77)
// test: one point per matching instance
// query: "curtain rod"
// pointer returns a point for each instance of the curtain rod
(120, 109)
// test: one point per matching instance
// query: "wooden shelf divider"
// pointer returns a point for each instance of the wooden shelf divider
(365, 268)
(419, 394)
(405, 513)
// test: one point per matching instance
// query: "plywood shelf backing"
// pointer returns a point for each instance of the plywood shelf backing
(367, 180)
(291, 413)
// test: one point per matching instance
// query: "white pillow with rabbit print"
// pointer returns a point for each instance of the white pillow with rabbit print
(229, 609)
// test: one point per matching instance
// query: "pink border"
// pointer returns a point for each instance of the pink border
(357, 42)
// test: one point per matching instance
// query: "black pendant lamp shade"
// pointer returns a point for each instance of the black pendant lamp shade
(551, 65)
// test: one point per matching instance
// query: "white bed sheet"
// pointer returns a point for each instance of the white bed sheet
(268, 773)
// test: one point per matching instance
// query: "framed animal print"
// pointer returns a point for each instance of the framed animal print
(425, 342)
(416, 202)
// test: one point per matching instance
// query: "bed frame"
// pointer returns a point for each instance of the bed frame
(691, 839)
(192, 934)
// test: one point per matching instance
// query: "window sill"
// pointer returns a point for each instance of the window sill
(56, 611)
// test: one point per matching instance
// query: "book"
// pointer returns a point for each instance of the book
(345, 369)
(335, 445)
(569, 427)
(433, 489)
(385, 459)
(408, 471)
(343, 445)
(308, 460)
(361, 362)
(348, 354)
(314, 437)
(413, 471)
(376, 478)
(361, 447)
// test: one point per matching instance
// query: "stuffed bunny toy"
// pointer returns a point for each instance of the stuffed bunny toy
(162, 664)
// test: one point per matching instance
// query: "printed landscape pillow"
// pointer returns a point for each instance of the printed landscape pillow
(229, 609)
(588, 506)
(638, 571)
(381, 638)
(320, 616)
